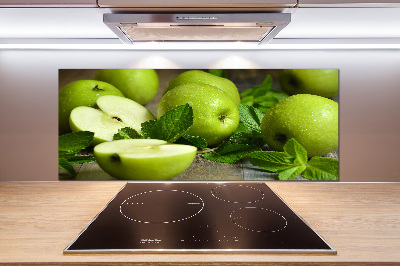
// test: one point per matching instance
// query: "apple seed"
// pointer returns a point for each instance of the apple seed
(117, 118)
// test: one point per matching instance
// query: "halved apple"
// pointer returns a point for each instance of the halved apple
(114, 112)
(144, 159)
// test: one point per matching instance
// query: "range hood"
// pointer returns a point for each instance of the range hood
(255, 27)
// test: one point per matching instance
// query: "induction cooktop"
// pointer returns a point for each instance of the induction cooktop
(198, 217)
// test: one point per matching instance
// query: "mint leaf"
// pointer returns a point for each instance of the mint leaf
(322, 168)
(71, 143)
(67, 166)
(258, 90)
(171, 126)
(277, 94)
(267, 82)
(152, 130)
(228, 152)
(196, 141)
(262, 96)
(127, 133)
(248, 131)
(293, 161)
(248, 100)
(251, 117)
(219, 72)
(75, 141)
(289, 164)
(291, 173)
(273, 161)
(296, 152)
(78, 159)
(247, 137)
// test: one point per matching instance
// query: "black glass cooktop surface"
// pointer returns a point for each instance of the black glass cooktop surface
(198, 217)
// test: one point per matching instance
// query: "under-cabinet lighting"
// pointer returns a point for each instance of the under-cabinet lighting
(276, 44)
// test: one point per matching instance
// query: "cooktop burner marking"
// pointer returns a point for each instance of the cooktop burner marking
(260, 219)
(131, 201)
(232, 193)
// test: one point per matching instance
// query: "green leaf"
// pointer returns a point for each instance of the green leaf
(291, 173)
(247, 100)
(67, 166)
(263, 88)
(246, 93)
(262, 96)
(243, 135)
(248, 131)
(75, 141)
(251, 117)
(151, 130)
(277, 94)
(127, 133)
(228, 152)
(71, 143)
(322, 168)
(271, 161)
(223, 73)
(196, 141)
(260, 90)
(78, 159)
(296, 152)
(289, 164)
(171, 126)
(267, 81)
(251, 138)
(292, 162)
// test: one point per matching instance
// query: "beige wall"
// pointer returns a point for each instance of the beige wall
(369, 101)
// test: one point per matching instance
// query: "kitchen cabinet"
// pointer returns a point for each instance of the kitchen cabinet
(360, 220)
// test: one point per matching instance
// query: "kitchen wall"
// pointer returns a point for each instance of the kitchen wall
(369, 101)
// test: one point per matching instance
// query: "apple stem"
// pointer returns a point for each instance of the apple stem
(96, 88)
(205, 151)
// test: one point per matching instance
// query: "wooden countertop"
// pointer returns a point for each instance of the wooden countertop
(360, 220)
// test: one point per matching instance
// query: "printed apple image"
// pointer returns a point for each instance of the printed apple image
(199, 76)
(215, 114)
(140, 85)
(310, 119)
(81, 93)
(322, 82)
(144, 159)
(113, 113)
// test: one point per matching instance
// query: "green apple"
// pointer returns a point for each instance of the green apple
(216, 115)
(322, 82)
(310, 119)
(81, 93)
(140, 85)
(113, 113)
(144, 159)
(199, 76)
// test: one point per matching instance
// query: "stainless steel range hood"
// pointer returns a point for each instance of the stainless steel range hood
(255, 27)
